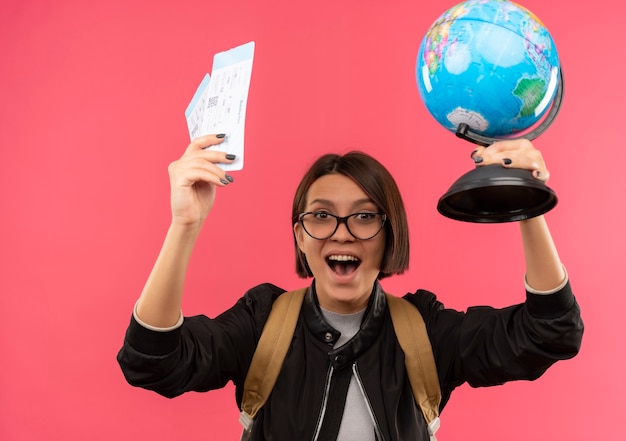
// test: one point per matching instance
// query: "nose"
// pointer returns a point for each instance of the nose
(342, 233)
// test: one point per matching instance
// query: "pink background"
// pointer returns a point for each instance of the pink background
(93, 97)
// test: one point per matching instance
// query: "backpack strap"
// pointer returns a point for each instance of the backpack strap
(269, 355)
(418, 358)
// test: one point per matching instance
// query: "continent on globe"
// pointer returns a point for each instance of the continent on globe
(531, 92)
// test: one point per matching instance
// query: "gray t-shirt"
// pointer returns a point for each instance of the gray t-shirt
(356, 423)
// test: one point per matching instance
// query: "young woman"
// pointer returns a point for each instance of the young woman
(344, 376)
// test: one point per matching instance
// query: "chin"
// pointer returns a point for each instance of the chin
(348, 296)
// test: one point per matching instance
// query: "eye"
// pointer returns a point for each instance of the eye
(366, 217)
(320, 215)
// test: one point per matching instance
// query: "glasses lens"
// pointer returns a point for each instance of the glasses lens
(319, 225)
(322, 225)
(365, 225)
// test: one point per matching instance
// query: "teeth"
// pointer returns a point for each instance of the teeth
(343, 258)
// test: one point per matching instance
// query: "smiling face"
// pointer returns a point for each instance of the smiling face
(345, 268)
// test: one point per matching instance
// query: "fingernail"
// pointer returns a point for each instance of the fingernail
(221, 135)
(229, 177)
(224, 181)
(473, 153)
(478, 159)
(230, 156)
(507, 161)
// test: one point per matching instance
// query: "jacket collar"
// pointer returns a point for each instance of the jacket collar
(370, 327)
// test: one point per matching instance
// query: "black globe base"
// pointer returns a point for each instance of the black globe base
(494, 194)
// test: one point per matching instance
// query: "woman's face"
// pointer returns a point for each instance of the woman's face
(345, 268)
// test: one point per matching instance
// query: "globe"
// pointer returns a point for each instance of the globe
(490, 64)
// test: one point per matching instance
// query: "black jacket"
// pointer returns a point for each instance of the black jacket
(484, 347)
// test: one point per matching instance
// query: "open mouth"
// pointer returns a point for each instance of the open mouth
(343, 264)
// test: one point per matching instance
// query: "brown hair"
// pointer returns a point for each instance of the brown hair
(379, 185)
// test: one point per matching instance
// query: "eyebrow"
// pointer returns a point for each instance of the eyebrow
(356, 203)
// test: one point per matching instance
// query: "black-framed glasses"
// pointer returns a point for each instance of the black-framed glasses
(322, 225)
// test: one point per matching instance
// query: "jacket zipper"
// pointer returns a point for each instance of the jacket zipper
(320, 419)
(357, 376)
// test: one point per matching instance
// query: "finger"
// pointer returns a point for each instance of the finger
(515, 159)
(518, 151)
(209, 155)
(188, 171)
(524, 157)
(203, 142)
(477, 155)
(541, 175)
(212, 156)
(199, 176)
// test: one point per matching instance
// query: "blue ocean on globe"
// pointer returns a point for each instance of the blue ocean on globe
(490, 64)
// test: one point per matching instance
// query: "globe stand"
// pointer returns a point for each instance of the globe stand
(494, 194)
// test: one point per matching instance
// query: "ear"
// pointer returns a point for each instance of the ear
(298, 233)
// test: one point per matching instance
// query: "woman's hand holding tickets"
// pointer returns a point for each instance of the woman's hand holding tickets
(194, 178)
